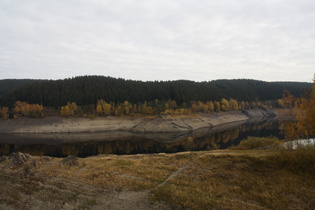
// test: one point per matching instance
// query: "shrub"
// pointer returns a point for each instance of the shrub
(298, 160)
(257, 143)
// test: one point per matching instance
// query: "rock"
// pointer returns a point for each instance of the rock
(27, 171)
(270, 113)
(18, 159)
(3, 158)
(69, 161)
(34, 163)
(259, 113)
(45, 159)
(248, 114)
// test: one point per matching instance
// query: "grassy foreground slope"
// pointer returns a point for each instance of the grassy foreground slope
(230, 179)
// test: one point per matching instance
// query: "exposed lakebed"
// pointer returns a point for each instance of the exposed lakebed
(59, 137)
(122, 142)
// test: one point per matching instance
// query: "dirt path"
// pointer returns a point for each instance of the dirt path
(176, 173)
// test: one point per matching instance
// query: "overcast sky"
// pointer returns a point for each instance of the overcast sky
(200, 40)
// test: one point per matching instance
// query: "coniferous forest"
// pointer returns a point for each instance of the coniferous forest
(87, 90)
(90, 96)
(8, 85)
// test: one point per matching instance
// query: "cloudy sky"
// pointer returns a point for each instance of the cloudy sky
(200, 40)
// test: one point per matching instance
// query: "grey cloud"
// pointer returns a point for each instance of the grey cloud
(148, 40)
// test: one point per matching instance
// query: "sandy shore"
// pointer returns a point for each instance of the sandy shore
(182, 123)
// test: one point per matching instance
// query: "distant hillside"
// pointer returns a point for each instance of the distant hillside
(88, 89)
(8, 85)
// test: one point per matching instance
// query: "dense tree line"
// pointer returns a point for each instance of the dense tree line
(9, 85)
(86, 90)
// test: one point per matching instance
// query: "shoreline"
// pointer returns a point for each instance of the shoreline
(137, 124)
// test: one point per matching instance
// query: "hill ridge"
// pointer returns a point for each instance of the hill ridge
(85, 90)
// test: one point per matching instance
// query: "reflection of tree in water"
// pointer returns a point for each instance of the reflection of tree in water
(219, 140)
(225, 139)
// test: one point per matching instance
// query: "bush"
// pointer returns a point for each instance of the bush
(298, 160)
(257, 143)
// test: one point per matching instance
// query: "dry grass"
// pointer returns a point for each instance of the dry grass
(301, 160)
(137, 172)
(252, 179)
(278, 180)
(258, 143)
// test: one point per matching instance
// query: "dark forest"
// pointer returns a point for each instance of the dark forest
(85, 90)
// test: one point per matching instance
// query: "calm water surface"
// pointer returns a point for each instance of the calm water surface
(89, 144)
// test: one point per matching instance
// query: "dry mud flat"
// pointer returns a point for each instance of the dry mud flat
(138, 124)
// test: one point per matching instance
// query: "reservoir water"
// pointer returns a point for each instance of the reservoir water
(90, 144)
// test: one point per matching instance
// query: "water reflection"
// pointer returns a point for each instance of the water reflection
(83, 145)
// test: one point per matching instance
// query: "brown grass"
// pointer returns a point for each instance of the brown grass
(301, 160)
(244, 179)
(234, 182)
(258, 143)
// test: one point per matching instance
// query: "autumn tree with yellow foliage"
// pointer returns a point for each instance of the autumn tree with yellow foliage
(103, 108)
(301, 111)
(4, 113)
(233, 104)
(22, 108)
(69, 110)
(225, 106)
